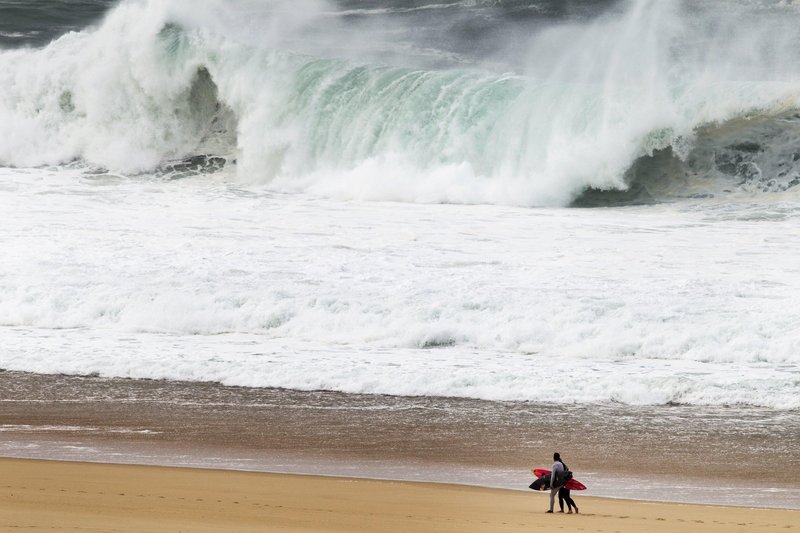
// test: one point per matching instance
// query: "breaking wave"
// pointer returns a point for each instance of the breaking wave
(643, 103)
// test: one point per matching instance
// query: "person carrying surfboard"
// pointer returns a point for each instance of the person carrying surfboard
(564, 480)
(556, 479)
(563, 494)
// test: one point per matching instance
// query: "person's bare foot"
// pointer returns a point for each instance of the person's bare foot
(576, 510)
(568, 512)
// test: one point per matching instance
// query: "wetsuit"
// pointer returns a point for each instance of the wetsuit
(563, 494)
(558, 467)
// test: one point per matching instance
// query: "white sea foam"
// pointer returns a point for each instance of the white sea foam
(29, 428)
(197, 279)
(159, 81)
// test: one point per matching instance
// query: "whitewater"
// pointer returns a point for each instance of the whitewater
(313, 195)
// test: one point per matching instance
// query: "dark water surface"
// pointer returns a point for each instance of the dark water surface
(462, 31)
(37, 22)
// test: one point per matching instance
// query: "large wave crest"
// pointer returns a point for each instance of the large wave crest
(652, 99)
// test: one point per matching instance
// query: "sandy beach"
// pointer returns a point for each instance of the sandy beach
(95, 454)
(66, 496)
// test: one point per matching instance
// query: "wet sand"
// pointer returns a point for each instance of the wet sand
(45, 495)
(646, 453)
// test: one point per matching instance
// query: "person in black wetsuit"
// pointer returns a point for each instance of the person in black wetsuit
(563, 495)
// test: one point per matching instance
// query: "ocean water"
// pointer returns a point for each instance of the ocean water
(569, 202)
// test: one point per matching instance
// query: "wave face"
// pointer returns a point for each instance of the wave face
(664, 99)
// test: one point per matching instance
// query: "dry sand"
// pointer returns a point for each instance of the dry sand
(65, 496)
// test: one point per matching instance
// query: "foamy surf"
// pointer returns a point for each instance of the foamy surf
(630, 89)
(197, 280)
(188, 193)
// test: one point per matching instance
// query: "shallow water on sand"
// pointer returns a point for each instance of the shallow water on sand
(674, 453)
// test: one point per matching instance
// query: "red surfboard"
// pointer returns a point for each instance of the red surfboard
(572, 484)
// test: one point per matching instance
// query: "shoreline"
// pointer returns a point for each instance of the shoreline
(151, 498)
(453, 484)
(612, 449)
